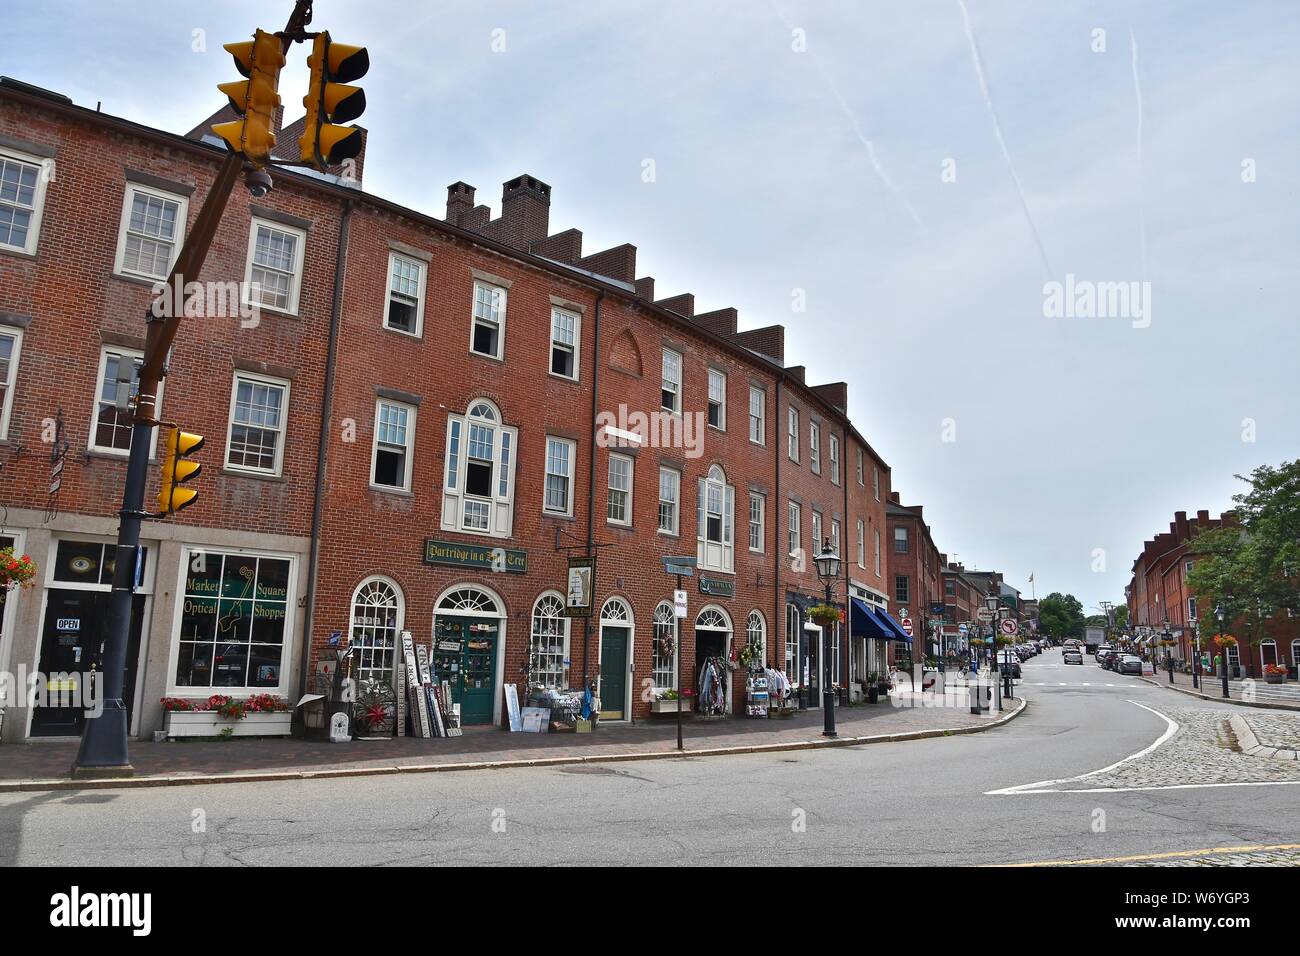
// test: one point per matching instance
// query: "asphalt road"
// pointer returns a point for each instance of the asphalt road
(926, 801)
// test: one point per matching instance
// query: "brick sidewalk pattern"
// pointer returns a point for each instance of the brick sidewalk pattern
(41, 761)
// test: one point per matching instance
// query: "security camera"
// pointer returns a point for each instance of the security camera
(258, 182)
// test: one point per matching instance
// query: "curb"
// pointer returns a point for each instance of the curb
(274, 776)
(1250, 744)
(1231, 700)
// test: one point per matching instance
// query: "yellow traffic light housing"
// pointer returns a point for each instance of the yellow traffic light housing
(331, 101)
(177, 468)
(255, 99)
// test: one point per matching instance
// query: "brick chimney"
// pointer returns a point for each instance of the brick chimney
(836, 393)
(460, 200)
(768, 341)
(683, 304)
(893, 496)
(719, 321)
(525, 211)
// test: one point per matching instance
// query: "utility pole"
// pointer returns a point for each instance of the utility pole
(103, 751)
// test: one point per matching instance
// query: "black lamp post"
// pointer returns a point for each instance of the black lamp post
(1223, 650)
(828, 569)
(991, 603)
(1169, 651)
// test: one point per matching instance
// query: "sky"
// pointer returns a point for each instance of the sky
(896, 183)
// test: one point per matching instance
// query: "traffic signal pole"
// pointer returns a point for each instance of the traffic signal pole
(103, 750)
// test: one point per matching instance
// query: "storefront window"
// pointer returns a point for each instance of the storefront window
(376, 613)
(665, 649)
(233, 617)
(550, 639)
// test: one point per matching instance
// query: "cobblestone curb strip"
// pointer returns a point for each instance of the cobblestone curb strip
(24, 786)
(1231, 700)
(1251, 746)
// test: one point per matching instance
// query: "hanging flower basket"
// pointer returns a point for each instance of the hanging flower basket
(16, 570)
(1227, 640)
(824, 615)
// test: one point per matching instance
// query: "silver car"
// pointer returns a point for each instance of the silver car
(1072, 655)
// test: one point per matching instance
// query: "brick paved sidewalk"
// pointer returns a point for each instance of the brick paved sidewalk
(1260, 694)
(46, 761)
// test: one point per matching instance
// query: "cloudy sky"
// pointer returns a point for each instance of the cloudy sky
(848, 150)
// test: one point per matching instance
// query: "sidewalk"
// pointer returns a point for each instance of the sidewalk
(1247, 693)
(45, 766)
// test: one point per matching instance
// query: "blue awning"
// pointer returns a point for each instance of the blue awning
(896, 630)
(865, 624)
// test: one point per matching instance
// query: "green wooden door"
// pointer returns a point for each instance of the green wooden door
(613, 671)
(465, 655)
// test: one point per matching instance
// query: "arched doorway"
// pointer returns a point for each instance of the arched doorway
(712, 653)
(469, 625)
(616, 633)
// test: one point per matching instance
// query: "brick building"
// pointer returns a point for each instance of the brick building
(413, 425)
(915, 575)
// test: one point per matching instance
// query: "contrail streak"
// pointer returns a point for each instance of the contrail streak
(1142, 215)
(853, 124)
(997, 131)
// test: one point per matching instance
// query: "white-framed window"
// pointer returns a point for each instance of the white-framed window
(549, 644)
(273, 278)
(862, 544)
(670, 498)
(11, 346)
(792, 434)
(1191, 609)
(487, 334)
(792, 668)
(151, 232)
(404, 310)
(816, 533)
(664, 664)
(560, 456)
(835, 459)
(258, 409)
(756, 634)
(862, 481)
(479, 477)
(111, 429)
(792, 522)
(815, 447)
(717, 400)
(670, 392)
(833, 648)
(876, 532)
(1187, 567)
(377, 617)
(390, 461)
(22, 199)
(757, 520)
(835, 534)
(716, 507)
(619, 508)
(875, 480)
(234, 622)
(757, 415)
(566, 331)
(901, 541)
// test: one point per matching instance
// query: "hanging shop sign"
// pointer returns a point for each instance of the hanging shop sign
(717, 587)
(582, 581)
(475, 556)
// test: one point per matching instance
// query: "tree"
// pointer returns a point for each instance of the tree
(1060, 615)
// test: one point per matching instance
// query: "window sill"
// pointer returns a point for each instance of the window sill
(261, 310)
(416, 336)
(145, 281)
(257, 475)
(386, 490)
(571, 379)
(491, 358)
(556, 516)
(102, 455)
(718, 428)
(17, 253)
(668, 534)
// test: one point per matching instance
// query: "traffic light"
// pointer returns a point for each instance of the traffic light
(330, 101)
(255, 98)
(177, 468)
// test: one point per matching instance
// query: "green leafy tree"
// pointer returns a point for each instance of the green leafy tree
(1060, 615)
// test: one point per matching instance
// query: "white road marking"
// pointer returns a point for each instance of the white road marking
(1047, 786)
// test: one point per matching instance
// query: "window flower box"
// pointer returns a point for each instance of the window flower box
(666, 706)
(209, 723)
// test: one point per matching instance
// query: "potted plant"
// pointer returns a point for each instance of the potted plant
(669, 702)
(1274, 673)
(824, 615)
(261, 715)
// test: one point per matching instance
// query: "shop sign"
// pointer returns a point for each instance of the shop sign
(717, 587)
(475, 556)
(679, 604)
(582, 577)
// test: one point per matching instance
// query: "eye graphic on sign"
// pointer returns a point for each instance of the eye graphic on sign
(81, 564)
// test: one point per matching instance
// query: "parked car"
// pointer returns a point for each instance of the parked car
(1105, 657)
(1072, 655)
(1007, 658)
(1128, 664)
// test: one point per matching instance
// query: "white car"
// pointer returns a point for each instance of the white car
(1072, 655)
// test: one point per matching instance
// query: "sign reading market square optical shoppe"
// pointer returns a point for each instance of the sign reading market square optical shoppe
(475, 556)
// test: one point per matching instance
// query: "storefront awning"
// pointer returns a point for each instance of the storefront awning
(866, 624)
(896, 630)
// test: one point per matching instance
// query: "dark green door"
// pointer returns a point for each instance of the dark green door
(613, 671)
(465, 655)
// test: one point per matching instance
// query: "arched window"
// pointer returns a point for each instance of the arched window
(665, 649)
(479, 474)
(756, 635)
(376, 625)
(469, 601)
(549, 648)
(713, 619)
(616, 611)
(1268, 652)
(714, 517)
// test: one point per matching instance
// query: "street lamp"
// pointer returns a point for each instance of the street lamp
(1223, 650)
(1169, 652)
(828, 569)
(991, 602)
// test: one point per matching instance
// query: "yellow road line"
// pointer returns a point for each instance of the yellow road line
(1177, 854)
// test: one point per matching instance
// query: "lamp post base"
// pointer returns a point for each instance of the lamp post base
(103, 751)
